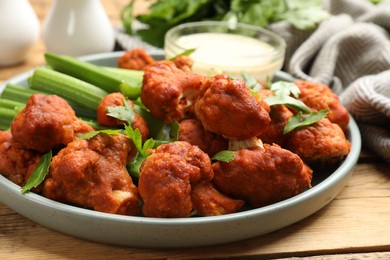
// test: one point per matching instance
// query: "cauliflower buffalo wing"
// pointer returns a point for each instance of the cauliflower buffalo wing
(169, 92)
(175, 181)
(320, 143)
(262, 176)
(92, 174)
(16, 162)
(116, 99)
(318, 96)
(192, 131)
(183, 62)
(46, 122)
(227, 107)
(136, 59)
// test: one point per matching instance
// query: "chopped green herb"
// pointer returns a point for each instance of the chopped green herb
(284, 88)
(124, 113)
(300, 120)
(136, 136)
(287, 101)
(91, 134)
(174, 133)
(39, 173)
(251, 82)
(184, 53)
(134, 166)
(224, 156)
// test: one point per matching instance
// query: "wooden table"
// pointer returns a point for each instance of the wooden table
(355, 225)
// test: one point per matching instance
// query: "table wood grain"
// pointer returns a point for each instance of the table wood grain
(355, 225)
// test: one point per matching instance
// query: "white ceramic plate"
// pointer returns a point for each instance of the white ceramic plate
(186, 232)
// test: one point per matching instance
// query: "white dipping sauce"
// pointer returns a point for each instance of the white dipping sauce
(231, 54)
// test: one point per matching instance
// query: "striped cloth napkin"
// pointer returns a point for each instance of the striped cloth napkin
(350, 52)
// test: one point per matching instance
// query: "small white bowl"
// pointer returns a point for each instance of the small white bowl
(223, 47)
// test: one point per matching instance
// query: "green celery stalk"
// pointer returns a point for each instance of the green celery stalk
(21, 94)
(93, 74)
(6, 117)
(134, 79)
(11, 104)
(17, 93)
(81, 93)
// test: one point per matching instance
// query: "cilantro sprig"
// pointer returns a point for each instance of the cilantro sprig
(301, 120)
(39, 173)
(223, 156)
(125, 113)
(287, 93)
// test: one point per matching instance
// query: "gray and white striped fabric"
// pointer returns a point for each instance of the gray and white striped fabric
(350, 52)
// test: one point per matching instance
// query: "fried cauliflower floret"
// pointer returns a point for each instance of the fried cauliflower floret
(135, 59)
(228, 108)
(169, 92)
(192, 131)
(262, 176)
(279, 115)
(16, 162)
(319, 96)
(116, 99)
(47, 122)
(92, 174)
(320, 143)
(183, 62)
(175, 181)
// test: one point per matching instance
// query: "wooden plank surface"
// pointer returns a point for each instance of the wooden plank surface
(358, 220)
(356, 225)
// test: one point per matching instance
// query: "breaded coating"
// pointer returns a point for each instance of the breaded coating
(228, 108)
(183, 62)
(116, 99)
(192, 131)
(169, 92)
(47, 122)
(318, 96)
(135, 59)
(16, 162)
(262, 176)
(279, 115)
(320, 143)
(175, 181)
(92, 174)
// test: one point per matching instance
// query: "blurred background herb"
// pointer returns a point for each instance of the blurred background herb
(165, 14)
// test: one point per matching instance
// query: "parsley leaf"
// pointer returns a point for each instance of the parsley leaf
(284, 88)
(91, 134)
(287, 101)
(224, 156)
(39, 173)
(135, 165)
(251, 82)
(300, 120)
(184, 53)
(124, 113)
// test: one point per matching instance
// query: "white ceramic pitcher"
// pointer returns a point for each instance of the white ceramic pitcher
(19, 30)
(78, 27)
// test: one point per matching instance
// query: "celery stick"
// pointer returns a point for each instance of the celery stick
(11, 104)
(134, 79)
(92, 74)
(6, 117)
(76, 91)
(22, 94)
(17, 93)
